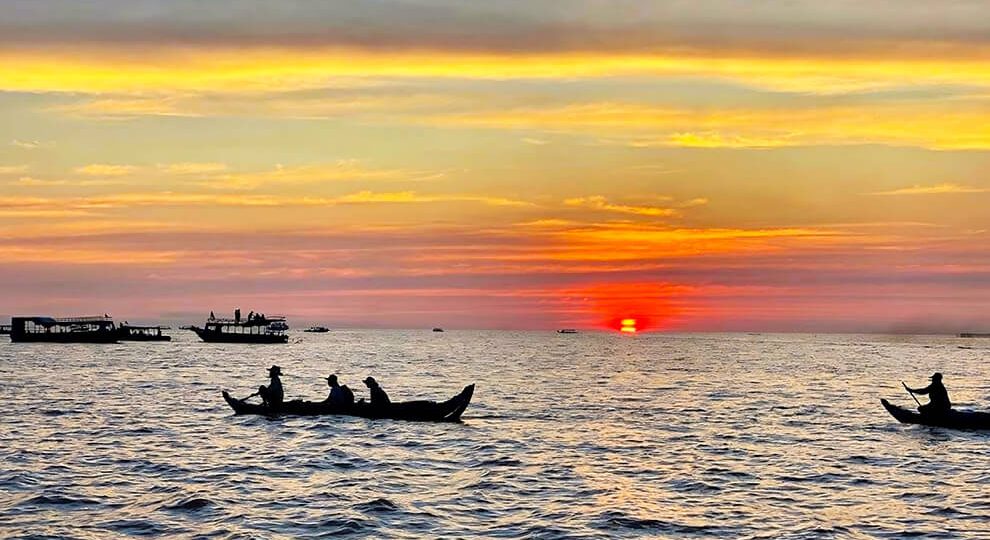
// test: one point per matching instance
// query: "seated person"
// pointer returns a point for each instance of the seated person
(273, 394)
(938, 397)
(340, 395)
(378, 396)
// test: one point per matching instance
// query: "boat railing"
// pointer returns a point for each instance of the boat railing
(83, 320)
(244, 320)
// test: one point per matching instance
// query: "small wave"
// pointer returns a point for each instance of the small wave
(500, 462)
(946, 511)
(377, 505)
(618, 520)
(190, 505)
(18, 481)
(58, 500)
(141, 527)
(334, 526)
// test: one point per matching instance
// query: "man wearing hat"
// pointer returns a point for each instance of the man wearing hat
(340, 396)
(273, 394)
(938, 397)
(378, 396)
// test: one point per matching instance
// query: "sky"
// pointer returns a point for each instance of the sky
(702, 165)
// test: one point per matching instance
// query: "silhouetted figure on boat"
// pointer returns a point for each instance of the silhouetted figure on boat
(237, 315)
(938, 397)
(340, 395)
(378, 396)
(273, 394)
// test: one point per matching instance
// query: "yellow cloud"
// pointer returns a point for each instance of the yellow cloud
(341, 170)
(192, 168)
(134, 200)
(934, 125)
(940, 189)
(102, 169)
(365, 197)
(269, 69)
(598, 202)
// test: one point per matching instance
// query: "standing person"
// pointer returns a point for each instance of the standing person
(938, 396)
(378, 396)
(273, 394)
(340, 395)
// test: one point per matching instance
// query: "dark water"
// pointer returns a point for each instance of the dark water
(569, 436)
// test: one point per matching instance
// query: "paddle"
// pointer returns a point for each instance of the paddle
(912, 393)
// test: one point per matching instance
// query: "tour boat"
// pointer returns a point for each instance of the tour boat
(254, 329)
(63, 330)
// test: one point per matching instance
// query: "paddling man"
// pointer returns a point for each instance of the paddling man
(339, 395)
(273, 395)
(938, 397)
(378, 396)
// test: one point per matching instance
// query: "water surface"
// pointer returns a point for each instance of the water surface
(569, 436)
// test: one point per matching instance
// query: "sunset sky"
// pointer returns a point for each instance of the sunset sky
(695, 165)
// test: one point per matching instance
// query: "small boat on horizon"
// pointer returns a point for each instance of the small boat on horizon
(95, 329)
(567, 331)
(317, 330)
(437, 329)
(256, 328)
(974, 334)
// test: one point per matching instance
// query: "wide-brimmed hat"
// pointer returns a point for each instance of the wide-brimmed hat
(370, 381)
(937, 376)
(274, 370)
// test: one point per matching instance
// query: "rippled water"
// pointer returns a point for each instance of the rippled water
(576, 436)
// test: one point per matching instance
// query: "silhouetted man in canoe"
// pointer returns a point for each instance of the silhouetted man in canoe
(340, 395)
(938, 397)
(273, 394)
(378, 396)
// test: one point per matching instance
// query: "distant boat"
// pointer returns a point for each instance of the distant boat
(567, 331)
(186, 327)
(63, 330)
(130, 332)
(438, 329)
(317, 329)
(254, 329)
(975, 334)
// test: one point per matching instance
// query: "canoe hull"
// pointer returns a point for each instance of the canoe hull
(953, 419)
(420, 411)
